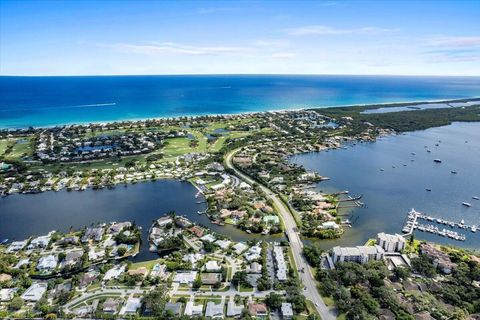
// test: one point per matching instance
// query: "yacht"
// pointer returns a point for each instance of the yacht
(474, 228)
(475, 198)
(466, 204)
(437, 160)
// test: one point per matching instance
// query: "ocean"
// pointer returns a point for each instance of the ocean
(49, 101)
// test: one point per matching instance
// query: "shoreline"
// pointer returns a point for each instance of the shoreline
(194, 116)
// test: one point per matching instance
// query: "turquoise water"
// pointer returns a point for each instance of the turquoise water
(46, 101)
(390, 194)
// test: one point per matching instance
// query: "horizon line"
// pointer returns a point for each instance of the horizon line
(238, 74)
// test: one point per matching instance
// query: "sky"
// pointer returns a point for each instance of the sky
(239, 37)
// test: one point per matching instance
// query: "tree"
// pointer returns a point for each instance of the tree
(16, 304)
(197, 283)
(274, 301)
(240, 278)
(401, 272)
(155, 300)
(121, 251)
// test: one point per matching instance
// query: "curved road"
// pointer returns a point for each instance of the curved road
(311, 292)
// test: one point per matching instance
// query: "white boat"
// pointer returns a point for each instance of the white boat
(474, 228)
(475, 198)
(466, 204)
(437, 160)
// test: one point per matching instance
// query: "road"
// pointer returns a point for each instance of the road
(292, 231)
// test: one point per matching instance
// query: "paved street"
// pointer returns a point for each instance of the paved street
(311, 292)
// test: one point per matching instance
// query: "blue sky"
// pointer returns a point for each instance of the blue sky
(223, 37)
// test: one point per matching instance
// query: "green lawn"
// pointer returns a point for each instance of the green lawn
(147, 264)
(245, 289)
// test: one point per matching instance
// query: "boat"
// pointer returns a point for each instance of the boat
(475, 198)
(4, 241)
(466, 204)
(453, 171)
(474, 228)
(437, 160)
(429, 151)
(413, 153)
(381, 169)
(428, 189)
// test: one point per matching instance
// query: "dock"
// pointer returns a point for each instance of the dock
(411, 224)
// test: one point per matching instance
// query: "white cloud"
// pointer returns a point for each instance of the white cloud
(161, 48)
(283, 55)
(327, 30)
(271, 43)
(455, 42)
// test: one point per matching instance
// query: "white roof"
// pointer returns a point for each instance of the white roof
(191, 309)
(114, 273)
(131, 306)
(35, 292)
(208, 237)
(233, 310)
(214, 310)
(185, 277)
(212, 265)
(7, 294)
(47, 262)
(223, 243)
(287, 309)
(240, 247)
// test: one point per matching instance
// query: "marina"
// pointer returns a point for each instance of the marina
(421, 184)
(411, 225)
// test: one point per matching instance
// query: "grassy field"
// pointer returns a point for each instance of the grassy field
(21, 147)
(147, 264)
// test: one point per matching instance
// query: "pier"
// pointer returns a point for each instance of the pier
(411, 225)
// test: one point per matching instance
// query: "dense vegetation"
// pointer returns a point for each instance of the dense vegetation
(401, 121)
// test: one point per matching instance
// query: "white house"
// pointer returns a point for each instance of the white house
(47, 263)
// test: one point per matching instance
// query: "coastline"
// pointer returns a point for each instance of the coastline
(196, 115)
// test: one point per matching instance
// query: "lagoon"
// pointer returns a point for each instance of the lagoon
(390, 194)
(24, 215)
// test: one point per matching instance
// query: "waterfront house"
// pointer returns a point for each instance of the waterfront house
(94, 234)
